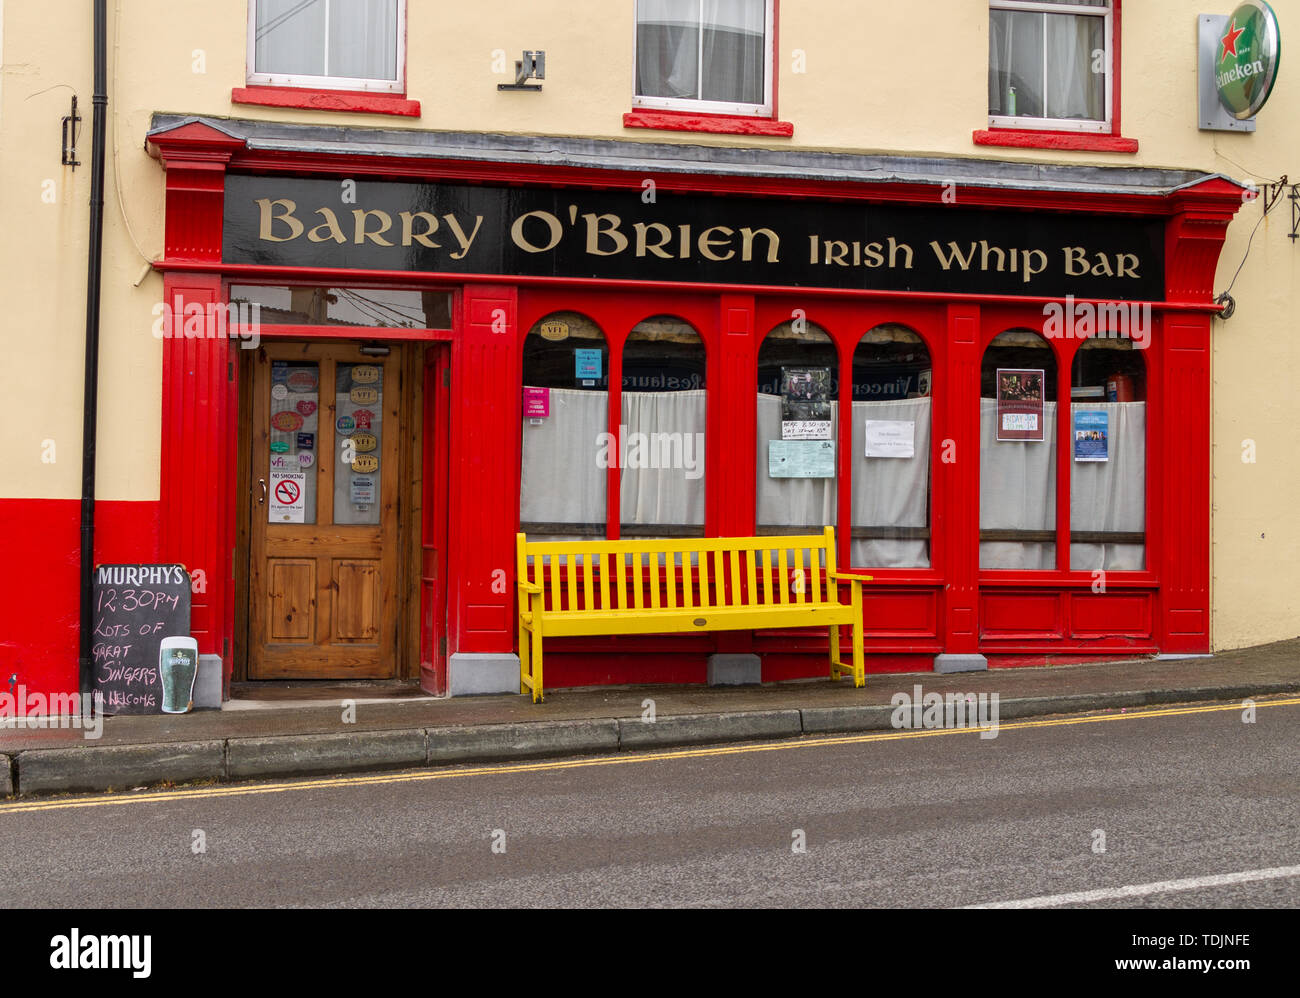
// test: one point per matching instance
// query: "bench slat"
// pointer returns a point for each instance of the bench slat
(586, 582)
(571, 573)
(654, 582)
(782, 579)
(637, 583)
(703, 558)
(604, 578)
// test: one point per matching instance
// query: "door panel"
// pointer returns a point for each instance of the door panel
(323, 551)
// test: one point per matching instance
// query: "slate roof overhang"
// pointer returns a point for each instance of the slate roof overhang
(657, 158)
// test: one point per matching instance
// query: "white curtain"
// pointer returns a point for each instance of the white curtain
(363, 39)
(292, 38)
(1017, 491)
(1018, 42)
(561, 480)
(669, 49)
(790, 502)
(892, 491)
(672, 426)
(1111, 494)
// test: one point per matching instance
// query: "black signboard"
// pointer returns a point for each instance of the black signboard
(135, 607)
(689, 238)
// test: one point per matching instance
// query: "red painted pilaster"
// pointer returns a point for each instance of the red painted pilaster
(731, 390)
(956, 464)
(196, 475)
(1185, 519)
(484, 504)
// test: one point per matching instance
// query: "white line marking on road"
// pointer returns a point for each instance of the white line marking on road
(1142, 890)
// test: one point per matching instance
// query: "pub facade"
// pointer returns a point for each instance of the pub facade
(385, 337)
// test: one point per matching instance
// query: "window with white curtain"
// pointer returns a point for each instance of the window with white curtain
(1018, 476)
(891, 443)
(1108, 457)
(664, 410)
(562, 481)
(328, 44)
(1051, 64)
(794, 505)
(712, 56)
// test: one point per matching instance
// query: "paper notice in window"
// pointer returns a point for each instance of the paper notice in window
(891, 438)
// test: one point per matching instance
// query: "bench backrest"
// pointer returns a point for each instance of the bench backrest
(693, 573)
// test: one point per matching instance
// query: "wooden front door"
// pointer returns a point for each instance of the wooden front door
(323, 544)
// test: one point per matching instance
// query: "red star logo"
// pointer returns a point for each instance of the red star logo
(1229, 41)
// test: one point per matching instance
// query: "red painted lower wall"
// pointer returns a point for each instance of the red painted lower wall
(40, 586)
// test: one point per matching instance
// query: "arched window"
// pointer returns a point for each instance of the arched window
(798, 416)
(565, 424)
(1018, 452)
(891, 463)
(664, 410)
(1108, 466)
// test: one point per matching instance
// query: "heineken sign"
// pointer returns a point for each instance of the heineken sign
(1247, 60)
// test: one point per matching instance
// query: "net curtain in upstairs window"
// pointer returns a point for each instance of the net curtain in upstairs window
(343, 39)
(713, 50)
(1048, 59)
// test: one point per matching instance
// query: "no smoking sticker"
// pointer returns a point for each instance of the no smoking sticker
(288, 497)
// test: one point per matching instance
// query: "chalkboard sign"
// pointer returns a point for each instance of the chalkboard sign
(135, 607)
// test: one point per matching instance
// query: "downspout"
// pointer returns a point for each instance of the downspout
(89, 423)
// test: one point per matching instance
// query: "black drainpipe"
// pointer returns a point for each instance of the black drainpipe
(89, 417)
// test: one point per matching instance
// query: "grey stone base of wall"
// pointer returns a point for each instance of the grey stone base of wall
(6, 776)
(960, 663)
(735, 670)
(207, 683)
(473, 673)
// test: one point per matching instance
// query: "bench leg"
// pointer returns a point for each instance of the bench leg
(539, 693)
(525, 670)
(859, 664)
(835, 652)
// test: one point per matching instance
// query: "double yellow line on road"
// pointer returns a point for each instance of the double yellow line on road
(240, 790)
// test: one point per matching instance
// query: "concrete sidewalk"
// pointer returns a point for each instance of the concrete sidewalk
(393, 727)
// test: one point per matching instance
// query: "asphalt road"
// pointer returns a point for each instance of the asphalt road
(931, 819)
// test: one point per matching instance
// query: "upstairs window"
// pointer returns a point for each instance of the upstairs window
(328, 44)
(706, 56)
(1051, 64)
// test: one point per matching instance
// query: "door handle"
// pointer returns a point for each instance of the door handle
(261, 500)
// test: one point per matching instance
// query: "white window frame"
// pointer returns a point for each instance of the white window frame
(397, 86)
(763, 110)
(1100, 126)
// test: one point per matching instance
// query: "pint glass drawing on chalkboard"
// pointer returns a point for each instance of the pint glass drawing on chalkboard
(178, 664)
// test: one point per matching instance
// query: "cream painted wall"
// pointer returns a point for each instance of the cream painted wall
(873, 83)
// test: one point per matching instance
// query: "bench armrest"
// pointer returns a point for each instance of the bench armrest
(844, 577)
(531, 587)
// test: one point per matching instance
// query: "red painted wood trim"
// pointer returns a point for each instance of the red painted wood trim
(722, 124)
(196, 479)
(539, 175)
(337, 277)
(1029, 138)
(327, 100)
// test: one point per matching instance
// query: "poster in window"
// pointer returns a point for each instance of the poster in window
(1091, 436)
(1020, 404)
(805, 403)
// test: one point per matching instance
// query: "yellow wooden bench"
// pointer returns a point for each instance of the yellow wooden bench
(574, 588)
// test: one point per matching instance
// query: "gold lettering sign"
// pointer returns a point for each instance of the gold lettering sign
(364, 441)
(365, 463)
(366, 374)
(364, 395)
(554, 331)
